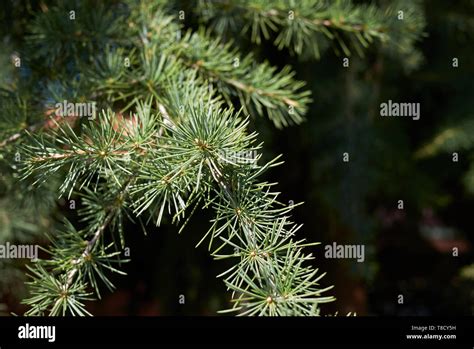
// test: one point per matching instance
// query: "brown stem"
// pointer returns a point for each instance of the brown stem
(32, 128)
(17, 135)
(56, 156)
(91, 243)
(88, 250)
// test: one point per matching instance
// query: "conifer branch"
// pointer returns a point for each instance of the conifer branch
(179, 152)
(307, 27)
(253, 228)
(87, 251)
(259, 87)
(43, 124)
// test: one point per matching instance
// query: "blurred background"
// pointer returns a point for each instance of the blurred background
(423, 252)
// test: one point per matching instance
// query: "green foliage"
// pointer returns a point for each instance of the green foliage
(454, 139)
(459, 137)
(54, 296)
(165, 52)
(59, 34)
(309, 27)
(184, 163)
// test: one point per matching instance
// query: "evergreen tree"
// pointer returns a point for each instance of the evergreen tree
(172, 134)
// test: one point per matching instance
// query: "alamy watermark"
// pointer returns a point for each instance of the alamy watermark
(13, 251)
(390, 108)
(240, 157)
(345, 252)
(28, 331)
(86, 109)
